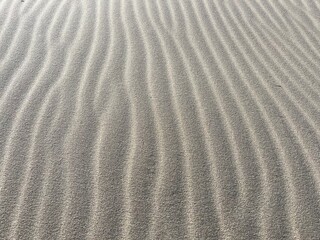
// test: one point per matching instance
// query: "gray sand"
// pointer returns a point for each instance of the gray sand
(160, 119)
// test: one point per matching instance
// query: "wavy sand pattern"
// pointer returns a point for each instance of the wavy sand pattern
(160, 119)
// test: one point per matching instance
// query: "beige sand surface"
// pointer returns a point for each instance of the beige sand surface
(160, 119)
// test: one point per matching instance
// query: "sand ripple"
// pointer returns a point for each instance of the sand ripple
(150, 119)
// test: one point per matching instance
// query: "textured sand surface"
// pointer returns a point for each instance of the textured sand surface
(160, 119)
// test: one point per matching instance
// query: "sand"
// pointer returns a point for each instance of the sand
(160, 119)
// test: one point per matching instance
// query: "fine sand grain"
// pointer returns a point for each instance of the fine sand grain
(160, 119)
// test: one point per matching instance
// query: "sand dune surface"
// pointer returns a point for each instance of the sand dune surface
(160, 119)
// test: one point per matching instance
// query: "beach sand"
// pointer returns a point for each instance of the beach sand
(160, 119)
